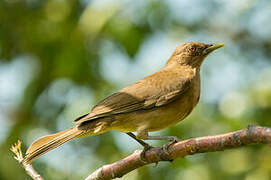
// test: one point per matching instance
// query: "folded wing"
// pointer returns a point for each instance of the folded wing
(155, 90)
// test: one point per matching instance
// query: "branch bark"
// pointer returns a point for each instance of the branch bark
(250, 135)
(32, 172)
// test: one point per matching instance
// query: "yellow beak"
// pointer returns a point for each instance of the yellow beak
(213, 47)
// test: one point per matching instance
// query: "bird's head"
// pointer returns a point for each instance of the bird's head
(192, 53)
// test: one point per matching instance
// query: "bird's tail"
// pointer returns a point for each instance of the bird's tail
(47, 143)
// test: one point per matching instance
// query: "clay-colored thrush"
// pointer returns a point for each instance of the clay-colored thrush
(151, 104)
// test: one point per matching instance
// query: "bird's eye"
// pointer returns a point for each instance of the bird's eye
(191, 48)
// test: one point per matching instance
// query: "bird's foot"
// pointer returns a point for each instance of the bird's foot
(143, 153)
(173, 139)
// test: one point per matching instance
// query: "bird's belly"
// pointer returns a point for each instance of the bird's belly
(154, 119)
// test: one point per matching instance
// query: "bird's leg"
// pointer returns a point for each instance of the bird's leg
(144, 135)
(168, 138)
(144, 144)
(173, 139)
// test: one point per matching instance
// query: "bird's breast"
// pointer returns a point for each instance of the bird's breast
(160, 117)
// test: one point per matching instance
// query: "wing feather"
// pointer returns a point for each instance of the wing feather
(152, 91)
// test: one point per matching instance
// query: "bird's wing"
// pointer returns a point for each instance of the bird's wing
(156, 90)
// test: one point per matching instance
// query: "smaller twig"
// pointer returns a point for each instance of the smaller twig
(16, 149)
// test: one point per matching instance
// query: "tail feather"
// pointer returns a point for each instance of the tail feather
(47, 143)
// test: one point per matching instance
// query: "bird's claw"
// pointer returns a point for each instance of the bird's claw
(165, 147)
(143, 153)
(174, 139)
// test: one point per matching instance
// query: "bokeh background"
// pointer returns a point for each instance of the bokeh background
(58, 58)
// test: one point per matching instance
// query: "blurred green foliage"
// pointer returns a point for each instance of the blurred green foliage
(58, 58)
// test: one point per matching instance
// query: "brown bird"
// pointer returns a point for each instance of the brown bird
(151, 104)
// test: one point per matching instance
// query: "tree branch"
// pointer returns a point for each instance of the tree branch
(251, 135)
